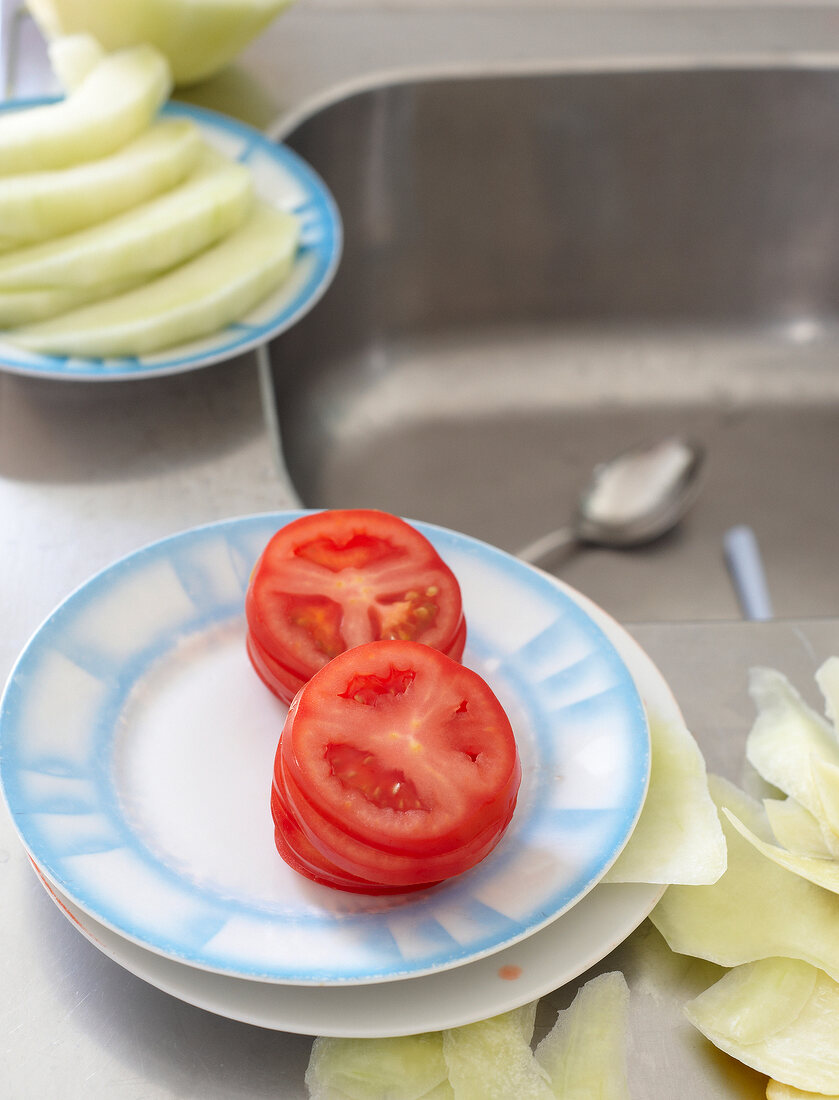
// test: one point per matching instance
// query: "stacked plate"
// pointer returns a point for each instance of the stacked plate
(136, 755)
(280, 178)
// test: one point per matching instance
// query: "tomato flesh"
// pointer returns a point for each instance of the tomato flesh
(333, 580)
(396, 765)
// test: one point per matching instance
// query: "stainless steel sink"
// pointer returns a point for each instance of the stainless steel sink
(543, 269)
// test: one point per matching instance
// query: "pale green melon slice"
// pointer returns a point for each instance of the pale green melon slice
(142, 242)
(73, 57)
(678, 836)
(795, 828)
(40, 205)
(775, 1090)
(492, 1059)
(114, 103)
(585, 1052)
(823, 872)
(21, 307)
(779, 1016)
(198, 298)
(409, 1068)
(757, 909)
(785, 735)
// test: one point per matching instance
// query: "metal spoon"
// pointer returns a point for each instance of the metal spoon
(635, 497)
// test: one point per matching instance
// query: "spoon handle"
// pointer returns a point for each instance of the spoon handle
(742, 555)
(546, 549)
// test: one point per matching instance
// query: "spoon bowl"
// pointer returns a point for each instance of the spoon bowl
(631, 500)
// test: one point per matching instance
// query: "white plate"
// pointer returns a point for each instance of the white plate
(283, 179)
(136, 752)
(512, 977)
(537, 965)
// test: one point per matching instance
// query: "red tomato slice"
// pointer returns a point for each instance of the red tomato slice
(333, 580)
(271, 672)
(302, 856)
(327, 846)
(401, 749)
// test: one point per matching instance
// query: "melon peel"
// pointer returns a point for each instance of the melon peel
(678, 838)
(779, 1016)
(585, 1053)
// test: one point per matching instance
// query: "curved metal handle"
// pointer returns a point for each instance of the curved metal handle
(547, 549)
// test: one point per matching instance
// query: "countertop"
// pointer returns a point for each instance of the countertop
(89, 472)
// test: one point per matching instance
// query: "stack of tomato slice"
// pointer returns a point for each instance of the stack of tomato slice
(333, 580)
(397, 767)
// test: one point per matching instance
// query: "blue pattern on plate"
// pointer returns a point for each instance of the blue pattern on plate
(287, 181)
(582, 735)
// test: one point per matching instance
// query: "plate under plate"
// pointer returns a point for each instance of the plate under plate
(136, 751)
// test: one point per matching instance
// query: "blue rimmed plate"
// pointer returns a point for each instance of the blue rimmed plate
(281, 178)
(136, 753)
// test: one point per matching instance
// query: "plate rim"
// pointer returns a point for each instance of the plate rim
(273, 519)
(126, 369)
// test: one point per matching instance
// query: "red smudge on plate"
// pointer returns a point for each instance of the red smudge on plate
(509, 973)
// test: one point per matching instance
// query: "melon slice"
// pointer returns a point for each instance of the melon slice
(779, 1016)
(142, 242)
(114, 103)
(585, 1052)
(40, 205)
(22, 307)
(195, 299)
(73, 57)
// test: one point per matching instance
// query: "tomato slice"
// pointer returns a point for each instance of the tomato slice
(402, 752)
(333, 580)
(302, 856)
(327, 846)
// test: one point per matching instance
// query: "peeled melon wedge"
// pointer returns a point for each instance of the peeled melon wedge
(198, 37)
(142, 242)
(40, 205)
(73, 57)
(201, 296)
(20, 307)
(585, 1052)
(114, 103)
(779, 1016)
